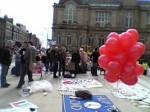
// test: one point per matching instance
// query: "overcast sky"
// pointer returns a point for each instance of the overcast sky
(36, 15)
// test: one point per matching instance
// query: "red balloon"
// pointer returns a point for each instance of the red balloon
(120, 57)
(136, 51)
(112, 45)
(130, 80)
(103, 61)
(141, 47)
(113, 35)
(129, 68)
(125, 41)
(114, 67)
(124, 75)
(103, 50)
(139, 70)
(111, 77)
(134, 34)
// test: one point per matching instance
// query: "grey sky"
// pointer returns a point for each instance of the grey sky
(37, 15)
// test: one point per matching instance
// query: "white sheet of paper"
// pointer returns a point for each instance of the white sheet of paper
(14, 110)
(23, 104)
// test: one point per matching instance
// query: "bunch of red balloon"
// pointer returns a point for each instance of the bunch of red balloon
(119, 55)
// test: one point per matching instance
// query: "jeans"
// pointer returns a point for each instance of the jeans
(18, 68)
(4, 71)
(46, 66)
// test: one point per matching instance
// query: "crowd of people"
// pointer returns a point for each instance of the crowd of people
(56, 60)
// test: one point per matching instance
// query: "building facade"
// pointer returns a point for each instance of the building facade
(35, 40)
(6, 26)
(86, 23)
(17, 33)
(22, 33)
(2, 31)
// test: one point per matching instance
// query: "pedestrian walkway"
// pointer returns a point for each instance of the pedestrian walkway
(145, 81)
(53, 101)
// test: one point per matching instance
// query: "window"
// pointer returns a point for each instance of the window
(58, 39)
(92, 41)
(69, 39)
(101, 41)
(128, 20)
(142, 40)
(88, 41)
(148, 18)
(80, 41)
(69, 14)
(103, 18)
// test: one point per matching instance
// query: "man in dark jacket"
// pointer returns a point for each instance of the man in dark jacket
(76, 60)
(62, 60)
(55, 62)
(94, 58)
(26, 64)
(6, 58)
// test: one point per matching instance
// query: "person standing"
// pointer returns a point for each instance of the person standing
(26, 64)
(83, 61)
(45, 61)
(94, 58)
(17, 63)
(6, 57)
(62, 60)
(76, 60)
(55, 62)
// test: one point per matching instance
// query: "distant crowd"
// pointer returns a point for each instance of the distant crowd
(56, 60)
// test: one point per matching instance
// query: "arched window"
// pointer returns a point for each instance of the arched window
(69, 14)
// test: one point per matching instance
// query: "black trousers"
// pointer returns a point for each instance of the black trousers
(62, 67)
(55, 68)
(24, 70)
(94, 69)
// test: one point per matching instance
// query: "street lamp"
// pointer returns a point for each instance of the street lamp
(46, 29)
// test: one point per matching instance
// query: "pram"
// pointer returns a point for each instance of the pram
(38, 69)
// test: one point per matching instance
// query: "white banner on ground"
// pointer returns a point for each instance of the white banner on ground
(69, 86)
(137, 93)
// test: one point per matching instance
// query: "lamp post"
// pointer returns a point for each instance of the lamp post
(46, 29)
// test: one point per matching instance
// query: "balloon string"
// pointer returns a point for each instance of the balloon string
(118, 86)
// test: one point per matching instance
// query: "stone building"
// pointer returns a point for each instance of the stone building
(87, 23)
(9, 31)
(6, 26)
(20, 34)
(35, 40)
(2, 32)
(23, 33)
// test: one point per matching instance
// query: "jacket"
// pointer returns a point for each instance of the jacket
(5, 56)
